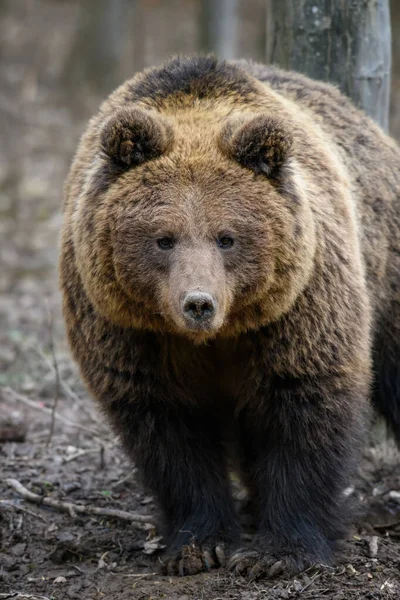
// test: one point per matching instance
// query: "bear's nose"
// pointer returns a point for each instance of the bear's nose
(198, 306)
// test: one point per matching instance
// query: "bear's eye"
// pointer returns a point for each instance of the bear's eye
(225, 241)
(165, 243)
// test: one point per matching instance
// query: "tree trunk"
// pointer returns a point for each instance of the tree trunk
(347, 42)
(219, 27)
(99, 58)
(395, 96)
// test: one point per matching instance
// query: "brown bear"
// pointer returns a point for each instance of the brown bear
(230, 266)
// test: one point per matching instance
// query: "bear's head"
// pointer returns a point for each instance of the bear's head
(193, 217)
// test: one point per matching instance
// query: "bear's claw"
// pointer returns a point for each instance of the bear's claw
(255, 565)
(193, 559)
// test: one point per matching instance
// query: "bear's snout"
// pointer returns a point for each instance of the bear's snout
(198, 309)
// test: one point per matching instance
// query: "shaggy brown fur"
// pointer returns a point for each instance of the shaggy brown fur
(230, 265)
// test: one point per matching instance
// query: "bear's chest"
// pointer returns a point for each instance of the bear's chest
(222, 370)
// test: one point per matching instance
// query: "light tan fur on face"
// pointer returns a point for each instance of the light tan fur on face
(195, 192)
(197, 267)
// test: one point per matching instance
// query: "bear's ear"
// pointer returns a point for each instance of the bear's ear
(133, 136)
(259, 143)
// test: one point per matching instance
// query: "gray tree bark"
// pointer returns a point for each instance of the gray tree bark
(219, 27)
(347, 42)
(395, 94)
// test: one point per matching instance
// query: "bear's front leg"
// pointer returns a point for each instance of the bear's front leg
(298, 443)
(180, 455)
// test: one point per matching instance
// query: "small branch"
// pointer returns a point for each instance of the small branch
(140, 575)
(384, 526)
(65, 386)
(57, 378)
(79, 453)
(8, 504)
(82, 509)
(68, 390)
(48, 411)
(18, 595)
(312, 580)
(373, 546)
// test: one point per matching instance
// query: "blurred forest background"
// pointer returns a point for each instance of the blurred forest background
(59, 59)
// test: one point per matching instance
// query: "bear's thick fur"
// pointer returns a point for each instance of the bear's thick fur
(230, 266)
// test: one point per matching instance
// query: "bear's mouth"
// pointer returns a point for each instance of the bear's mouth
(198, 337)
(198, 331)
(194, 328)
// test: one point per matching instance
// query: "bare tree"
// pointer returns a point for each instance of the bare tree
(219, 27)
(347, 42)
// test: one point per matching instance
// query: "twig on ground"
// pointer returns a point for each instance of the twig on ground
(57, 376)
(373, 546)
(312, 580)
(67, 388)
(72, 509)
(141, 575)
(32, 404)
(9, 504)
(124, 479)
(32, 345)
(18, 595)
(384, 526)
(79, 453)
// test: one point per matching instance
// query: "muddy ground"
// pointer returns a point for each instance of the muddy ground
(47, 554)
